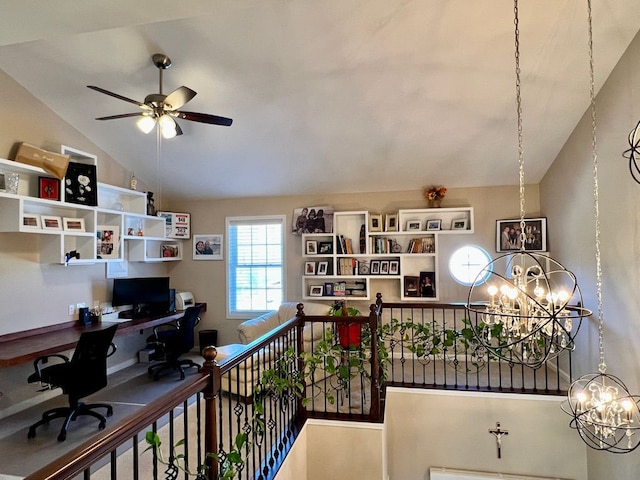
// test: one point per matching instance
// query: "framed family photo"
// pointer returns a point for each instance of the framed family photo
(107, 241)
(50, 222)
(207, 247)
(509, 235)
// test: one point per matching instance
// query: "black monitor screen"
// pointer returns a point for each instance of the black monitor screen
(147, 295)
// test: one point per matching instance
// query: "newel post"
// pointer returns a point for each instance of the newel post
(299, 349)
(211, 420)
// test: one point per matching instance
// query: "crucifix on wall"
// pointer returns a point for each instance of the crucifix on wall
(498, 433)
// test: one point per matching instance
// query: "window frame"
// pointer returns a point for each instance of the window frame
(247, 220)
(472, 283)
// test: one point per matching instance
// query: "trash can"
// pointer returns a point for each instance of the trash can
(207, 337)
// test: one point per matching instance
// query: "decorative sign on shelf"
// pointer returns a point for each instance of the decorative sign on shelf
(177, 225)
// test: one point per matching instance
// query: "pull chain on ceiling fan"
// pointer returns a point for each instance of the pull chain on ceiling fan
(161, 109)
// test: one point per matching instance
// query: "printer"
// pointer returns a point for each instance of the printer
(184, 300)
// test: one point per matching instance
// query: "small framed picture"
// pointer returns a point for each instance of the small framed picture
(391, 223)
(49, 188)
(375, 267)
(427, 284)
(309, 268)
(107, 241)
(460, 224)
(315, 290)
(328, 289)
(312, 247)
(509, 238)
(433, 225)
(322, 268)
(207, 247)
(73, 224)
(413, 225)
(30, 221)
(170, 251)
(411, 284)
(325, 248)
(80, 184)
(375, 223)
(384, 267)
(51, 223)
(394, 267)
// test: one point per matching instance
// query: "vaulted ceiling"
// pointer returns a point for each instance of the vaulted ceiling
(326, 95)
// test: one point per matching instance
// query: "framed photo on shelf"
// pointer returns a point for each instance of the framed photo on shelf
(315, 291)
(50, 222)
(508, 235)
(328, 289)
(394, 267)
(322, 268)
(312, 220)
(427, 284)
(384, 267)
(414, 225)
(176, 225)
(325, 248)
(375, 223)
(170, 250)
(73, 224)
(433, 225)
(49, 188)
(375, 267)
(391, 222)
(207, 247)
(311, 247)
(108, 241)
(80, 184)
(309, 268)
(411, 284)
(460, 224)
(30, 221)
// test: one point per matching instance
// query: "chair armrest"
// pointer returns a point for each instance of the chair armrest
(38, 362)
(112, 349)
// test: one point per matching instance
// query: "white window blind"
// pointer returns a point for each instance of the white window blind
(255, 274)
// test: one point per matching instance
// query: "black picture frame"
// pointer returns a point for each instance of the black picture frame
(427, 284)
(535, 235)
(80, 184)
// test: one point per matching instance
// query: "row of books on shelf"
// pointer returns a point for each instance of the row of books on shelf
(339, 289)
(422, 245)
(344, 245)
(348, 266)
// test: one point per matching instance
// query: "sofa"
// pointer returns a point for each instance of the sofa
(242, 379)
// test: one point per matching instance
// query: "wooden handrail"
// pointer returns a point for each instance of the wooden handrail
(82, 457)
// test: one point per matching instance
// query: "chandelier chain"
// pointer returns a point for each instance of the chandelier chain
(516, 22)
(596, 207)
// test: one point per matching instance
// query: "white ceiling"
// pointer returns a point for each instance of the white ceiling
(326, 95)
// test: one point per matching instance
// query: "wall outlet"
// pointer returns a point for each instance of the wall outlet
(72, 309)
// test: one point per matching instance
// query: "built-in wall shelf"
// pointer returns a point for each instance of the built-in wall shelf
(363, 248)
(76, 234)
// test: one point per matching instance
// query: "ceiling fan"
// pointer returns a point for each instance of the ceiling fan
(161, 109)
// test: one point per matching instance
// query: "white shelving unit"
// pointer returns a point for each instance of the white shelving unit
(119, 210)
(355, 256)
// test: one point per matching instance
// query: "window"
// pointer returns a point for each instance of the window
(255, 274)
(467, 263)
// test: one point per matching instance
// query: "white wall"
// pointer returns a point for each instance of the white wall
(567, 199)
(431, 428)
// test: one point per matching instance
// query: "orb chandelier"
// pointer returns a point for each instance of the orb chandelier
(603, 411)
(532, 311)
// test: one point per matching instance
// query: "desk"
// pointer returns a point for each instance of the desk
(22, 347)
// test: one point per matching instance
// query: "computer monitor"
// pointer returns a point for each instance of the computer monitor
(147, 295)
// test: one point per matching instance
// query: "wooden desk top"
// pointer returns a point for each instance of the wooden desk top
(22, 347)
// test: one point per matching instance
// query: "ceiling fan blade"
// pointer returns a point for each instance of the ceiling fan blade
(123, 115)
(204, 118)
(178, 98)
(107, 92)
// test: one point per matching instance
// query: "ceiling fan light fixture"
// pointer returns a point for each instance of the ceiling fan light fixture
(168, 126)
(146, 124)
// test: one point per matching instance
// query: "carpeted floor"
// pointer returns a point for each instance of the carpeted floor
(128, 391)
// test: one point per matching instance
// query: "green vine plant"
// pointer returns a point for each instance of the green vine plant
(284, 381)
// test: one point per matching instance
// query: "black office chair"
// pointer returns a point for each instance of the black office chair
(174, 341)
(84, 374)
